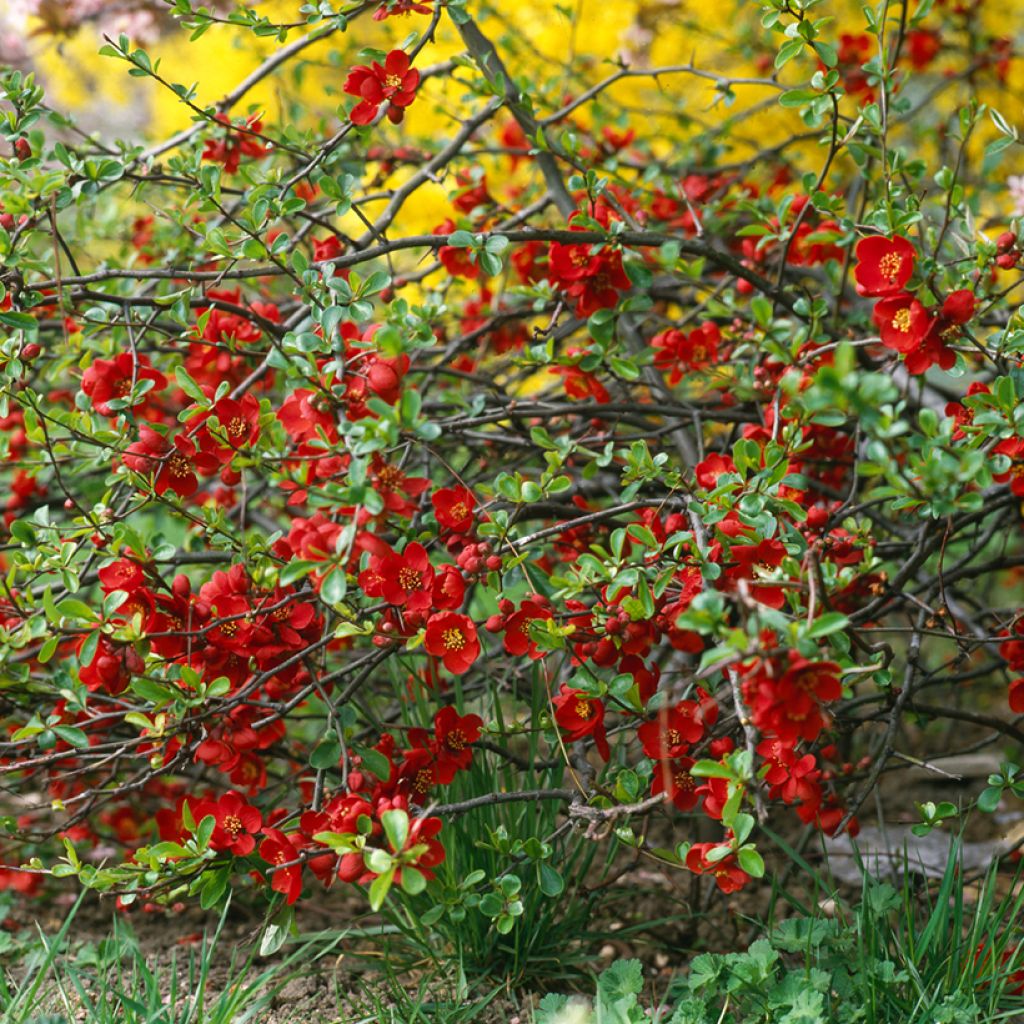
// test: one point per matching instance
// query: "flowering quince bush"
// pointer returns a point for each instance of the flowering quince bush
(696, 478)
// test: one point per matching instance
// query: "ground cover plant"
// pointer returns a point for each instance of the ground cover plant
(453, 474)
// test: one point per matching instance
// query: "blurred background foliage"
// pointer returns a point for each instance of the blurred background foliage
(732, 117)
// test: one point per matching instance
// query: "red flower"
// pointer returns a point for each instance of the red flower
(958, 307)
(457, 261)
(673, 731)
(852, 52)
(108, 379)
(395, 487)
(420, 772)
(391, 7)
(517, 629)
(678, 352)
(903, 323)
(449, 588)
(278, 849)
(729, 876)
(328, 248)
(453, 507)
(405, 579)
(526, 258)
(789, 707)
(593, 280)
(423, 834)
(922, 47)
(471, 194)
(452, 638)
(237, 823)
(957, 310)
(394, 83)
(239, 428)
(819, 679)
(579, 716)
(174, 464)
(791, 779)
(111, 668)
(673, 777)
(304, 414)
(581, 384)
(884, 265)
(714, 466)
(236, 143)
(453, 735)
(123, 574)
(750, 565)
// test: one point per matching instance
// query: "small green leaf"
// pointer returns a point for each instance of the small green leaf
(396, 828)
(379, 888)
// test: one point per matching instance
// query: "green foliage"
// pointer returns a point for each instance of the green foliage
(902, 956)
(115, 982)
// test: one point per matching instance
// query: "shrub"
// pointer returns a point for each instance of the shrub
(664, 474)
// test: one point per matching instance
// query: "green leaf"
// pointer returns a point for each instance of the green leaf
(205, 830)
(829, 622)
(461, 240)
(551, 882)
(70, 734)
(47, 651)
(988, 800)
(280, 926)
(375, 761)
(705, 769)
(334, 587)
(396, 828)
(75, 609)
(751, 861)
(797, 97)
(828, 53)
(379, 888)
(327, 752)
(214, 887)
(189, 386)
(413, 881)
(788, 51)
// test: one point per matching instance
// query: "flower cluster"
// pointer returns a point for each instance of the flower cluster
(923, 335)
